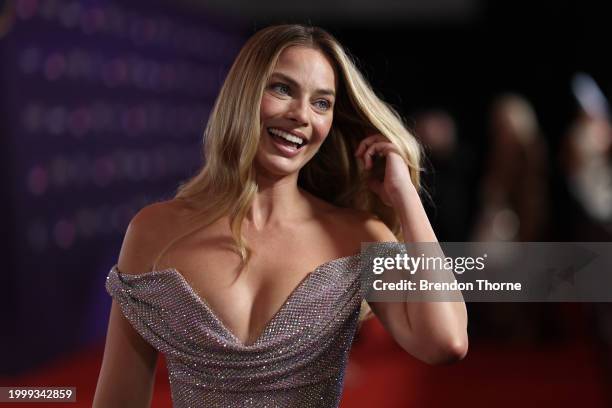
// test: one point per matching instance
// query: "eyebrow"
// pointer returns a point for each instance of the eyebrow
(294, 83)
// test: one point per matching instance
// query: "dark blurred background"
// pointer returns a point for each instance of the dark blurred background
(102, 108)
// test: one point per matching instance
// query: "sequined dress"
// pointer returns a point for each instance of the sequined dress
(298, 360)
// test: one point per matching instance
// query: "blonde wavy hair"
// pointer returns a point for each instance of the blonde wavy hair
(226, 184)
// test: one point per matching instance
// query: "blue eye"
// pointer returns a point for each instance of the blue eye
(323, 104)
(281, 88)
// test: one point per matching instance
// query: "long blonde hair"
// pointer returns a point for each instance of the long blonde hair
(226, 184)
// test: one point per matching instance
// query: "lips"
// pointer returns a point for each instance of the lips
(283, 146)
(290, 135)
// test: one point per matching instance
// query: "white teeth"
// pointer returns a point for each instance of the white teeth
(286, 136)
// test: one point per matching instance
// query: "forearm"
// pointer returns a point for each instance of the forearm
(439, 326)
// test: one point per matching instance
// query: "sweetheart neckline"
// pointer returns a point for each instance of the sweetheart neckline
(204, 303)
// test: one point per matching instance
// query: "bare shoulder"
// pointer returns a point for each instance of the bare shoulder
(147, 235)
(363, 225)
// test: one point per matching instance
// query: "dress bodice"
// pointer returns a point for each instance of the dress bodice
(298, 360)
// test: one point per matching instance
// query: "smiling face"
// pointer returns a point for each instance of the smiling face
(296, 110)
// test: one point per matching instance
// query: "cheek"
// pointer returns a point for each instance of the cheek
(269, 107)
(322, 126)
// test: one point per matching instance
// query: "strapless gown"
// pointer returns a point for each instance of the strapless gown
(298, 361)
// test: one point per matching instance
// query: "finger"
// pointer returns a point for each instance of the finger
(367, 141)
(380, 148)
(363, 145)
(367, 156)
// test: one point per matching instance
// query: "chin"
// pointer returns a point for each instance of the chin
(275, 166)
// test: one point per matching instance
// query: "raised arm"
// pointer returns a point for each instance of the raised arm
(433, 331)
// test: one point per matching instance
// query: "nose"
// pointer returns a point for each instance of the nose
(298, 112)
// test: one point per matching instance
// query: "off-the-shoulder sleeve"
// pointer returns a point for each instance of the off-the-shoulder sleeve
(163, 309)
(138, 296)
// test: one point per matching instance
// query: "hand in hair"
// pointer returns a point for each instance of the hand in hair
(392, 181)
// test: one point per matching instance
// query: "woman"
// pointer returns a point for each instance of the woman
(247, 280)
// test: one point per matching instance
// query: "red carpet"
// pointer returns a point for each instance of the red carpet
(382, 375)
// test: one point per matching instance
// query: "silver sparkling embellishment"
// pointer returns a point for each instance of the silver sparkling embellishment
(298, 360)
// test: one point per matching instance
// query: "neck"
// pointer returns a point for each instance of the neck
(278, 201)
